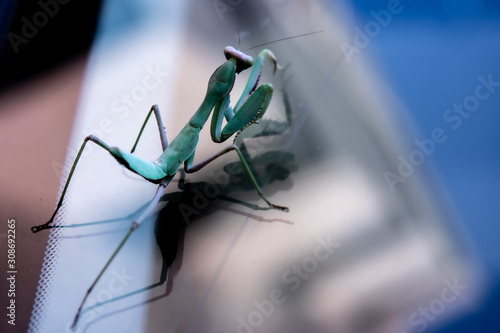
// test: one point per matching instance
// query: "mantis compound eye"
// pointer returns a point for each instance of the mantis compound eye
(243, 61)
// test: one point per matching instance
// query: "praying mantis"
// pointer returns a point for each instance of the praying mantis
(251, 107)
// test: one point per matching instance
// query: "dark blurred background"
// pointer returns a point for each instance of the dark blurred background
(38, 36)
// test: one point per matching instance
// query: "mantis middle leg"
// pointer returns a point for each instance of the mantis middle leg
(190, 169)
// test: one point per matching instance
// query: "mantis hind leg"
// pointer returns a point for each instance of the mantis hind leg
(135, 224)
(164, 277)
(92, 138)
(148, 170)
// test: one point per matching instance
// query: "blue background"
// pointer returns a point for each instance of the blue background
(431, 55)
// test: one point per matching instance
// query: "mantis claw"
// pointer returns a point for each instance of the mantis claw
(282, 208)
(38, 228)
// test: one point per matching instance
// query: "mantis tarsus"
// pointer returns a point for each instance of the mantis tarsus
(249, 109)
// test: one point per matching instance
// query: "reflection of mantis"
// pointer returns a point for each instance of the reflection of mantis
(251, 107)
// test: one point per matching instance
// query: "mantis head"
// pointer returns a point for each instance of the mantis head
(243, 61)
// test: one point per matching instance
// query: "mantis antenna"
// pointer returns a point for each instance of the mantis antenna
(267, 43)
(282, 39)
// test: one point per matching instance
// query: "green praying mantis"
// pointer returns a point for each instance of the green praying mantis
(251, 107)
